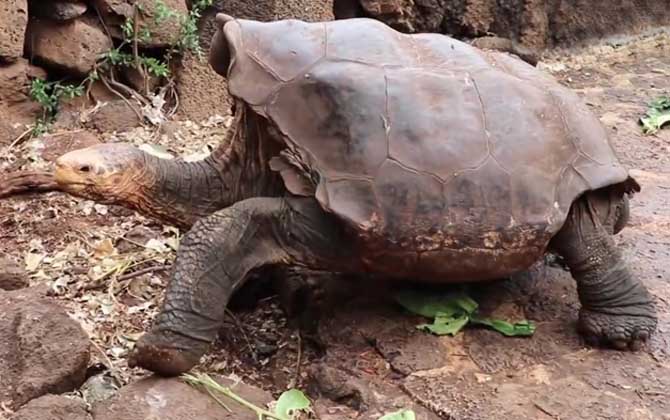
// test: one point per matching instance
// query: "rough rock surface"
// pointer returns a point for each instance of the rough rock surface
(58, 10)
(61, 143)
(72, 46)
(202, 92)
(53, 407)
(17, 109)
(13, 22)
(42, 350)
(12, 275)
(535, 23)
(172, 399)
(114, 116)
(163, 31)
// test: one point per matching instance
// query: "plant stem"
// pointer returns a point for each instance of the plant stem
(210, 384)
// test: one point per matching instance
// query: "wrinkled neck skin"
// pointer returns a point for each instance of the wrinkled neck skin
(183, 192)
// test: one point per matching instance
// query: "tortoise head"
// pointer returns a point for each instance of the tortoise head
(219, 51)
(106, 173)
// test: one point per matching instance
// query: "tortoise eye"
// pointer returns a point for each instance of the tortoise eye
(85, 168)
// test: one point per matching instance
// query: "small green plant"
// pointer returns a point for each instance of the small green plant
(48, 95)
(451, 312)
(289, 405)
(189, 39)
(657, 116)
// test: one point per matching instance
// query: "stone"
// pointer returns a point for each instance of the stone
(13, 23)
(72, 46)
(202, 92)
(57, 10)
(53, 407)
(114, 116)
(42, 350)
(57, 144)
(17, 110)
(162, 31)
(172, 399)
(12, 275)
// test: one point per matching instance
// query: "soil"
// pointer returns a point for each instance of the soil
(375, 360)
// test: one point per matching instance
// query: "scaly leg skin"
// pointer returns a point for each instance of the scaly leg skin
(617, 310)
(217, 256)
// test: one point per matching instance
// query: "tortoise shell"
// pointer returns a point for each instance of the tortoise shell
(421, 143)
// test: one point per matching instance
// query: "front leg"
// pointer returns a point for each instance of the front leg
(217, 256)
(617, 309)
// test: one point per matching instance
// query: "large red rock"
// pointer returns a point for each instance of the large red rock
(172, 399)
(13, 22)
(162, 31)
(42, 350)
(17, 110)
(53, 407)
(72, 46)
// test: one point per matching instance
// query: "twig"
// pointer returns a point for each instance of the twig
(27, 182)
(143, 271)
(123, 98)
(18, 140)
(298, 364)
(210, 384)
(238, 324)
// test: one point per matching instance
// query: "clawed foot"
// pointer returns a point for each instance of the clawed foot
(621, 332)
(158, 354)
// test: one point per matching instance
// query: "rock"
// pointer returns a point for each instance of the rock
(73, 114)
(57, 144)
(57, 10)
(163, 32)
(71, 46)
(53, 407)
(12, 275)
(202, 92)
(172, 399)
(17, 109)
(13, 23)
(99, 388)
(114, 116)
(42, 349)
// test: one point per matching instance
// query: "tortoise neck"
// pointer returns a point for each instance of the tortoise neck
(184, 192)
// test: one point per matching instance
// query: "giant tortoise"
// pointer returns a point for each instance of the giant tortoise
(359, 149)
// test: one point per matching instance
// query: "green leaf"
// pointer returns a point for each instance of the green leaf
(518, 329)
(400, 415)
(431, 304)
(657, 116)
(291, 402)
(443, 325)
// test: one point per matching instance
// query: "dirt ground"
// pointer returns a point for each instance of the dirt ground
(376, 361)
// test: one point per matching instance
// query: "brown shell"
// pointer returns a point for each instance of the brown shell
(421, 141)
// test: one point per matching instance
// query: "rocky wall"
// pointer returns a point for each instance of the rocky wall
(538, 24)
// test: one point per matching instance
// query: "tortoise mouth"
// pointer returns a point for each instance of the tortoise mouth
(220, 53)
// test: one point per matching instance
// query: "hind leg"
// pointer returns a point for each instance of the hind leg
(617, 310)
